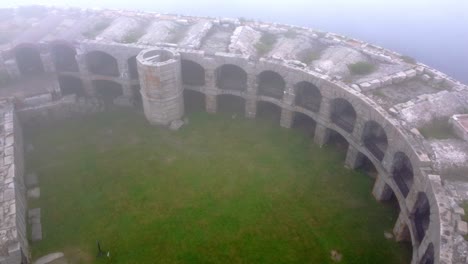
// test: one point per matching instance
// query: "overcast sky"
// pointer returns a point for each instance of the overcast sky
(433, 31)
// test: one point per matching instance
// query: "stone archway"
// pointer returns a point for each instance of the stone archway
(71, 85)
(194, 101)
(375, 139)
(101, 63)
(29, 60)
(64, 58)
(402, 172)
(304, 123)
(308, 96)
(192, 73)
(343, 114)
(421, 216)
(231, 104)
(428, 257)
(107, 90)
(231, 77)
(271, 84)
(268, 111)
(337, 142)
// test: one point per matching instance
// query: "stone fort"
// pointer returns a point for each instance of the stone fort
(56, 63)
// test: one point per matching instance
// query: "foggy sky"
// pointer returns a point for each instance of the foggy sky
(433, 31)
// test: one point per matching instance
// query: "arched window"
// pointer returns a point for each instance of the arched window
(64, 58)
(192, 73)
(421, 216)
(343, 114)
(308, 96)
(402, 172)
(107, 90)
(271, 84)
(231, 77)
(29, 60)
(375, 139)
(101, 63)
(71, 85)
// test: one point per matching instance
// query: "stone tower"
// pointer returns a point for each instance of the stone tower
(161, 85)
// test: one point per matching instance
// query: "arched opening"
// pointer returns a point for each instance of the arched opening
(421, 216)
(71, 85)
(132, 68)
(101, 63)
(304, 123)
(338, 143)
(268, 111)
(64, 58)
(29, 60)
(271, 84)
(192, 73)
(402, 172)
(231, 104)
(428, 257)
(194, 102)
(343, 114)
(308, 96)
(107, 90)
(136, 96)
(375, 139)
(365, 165)
(231, 77)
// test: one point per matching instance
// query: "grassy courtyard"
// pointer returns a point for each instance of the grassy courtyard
(220, 190)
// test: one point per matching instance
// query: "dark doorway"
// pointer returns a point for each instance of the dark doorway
(304, 123)
(194, 102)
(132, 68)
(101, 63)
(64, 58)
(268, 111)
(402, 172)
(231, 104)
(343, 114)
(71, 85)
(375, 139)
(271, 84)
(308, 96)
(29, 60)
(192, 73)
(107, 90)
(231, 77)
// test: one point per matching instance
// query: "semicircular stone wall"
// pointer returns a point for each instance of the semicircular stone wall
(155, 71)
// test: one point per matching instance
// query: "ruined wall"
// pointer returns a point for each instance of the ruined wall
(14, 247)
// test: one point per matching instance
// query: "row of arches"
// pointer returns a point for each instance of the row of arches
(373, 136)
(29, 61)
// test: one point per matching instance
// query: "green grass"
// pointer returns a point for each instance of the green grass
(266, 43)
(361, 68)
(220, 190)
(97, 29)
(438, 129)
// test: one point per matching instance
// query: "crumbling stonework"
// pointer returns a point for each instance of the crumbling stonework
(215, 57)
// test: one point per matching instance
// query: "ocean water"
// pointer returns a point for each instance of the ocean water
(434, 32)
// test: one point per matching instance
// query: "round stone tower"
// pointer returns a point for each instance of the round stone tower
(161, 85)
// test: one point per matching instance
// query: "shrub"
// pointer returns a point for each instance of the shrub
(408, 59)
(361, 68)
(308, 56)
(266, 43)
(98, 28)
(291, 33)
(438, 129)
(132, 36)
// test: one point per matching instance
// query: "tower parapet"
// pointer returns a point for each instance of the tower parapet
(161, 87)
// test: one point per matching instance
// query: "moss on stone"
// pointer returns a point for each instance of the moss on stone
(361, 68)
(438, 129)
(266, 43)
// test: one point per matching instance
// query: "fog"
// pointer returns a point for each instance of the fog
(433, 31)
